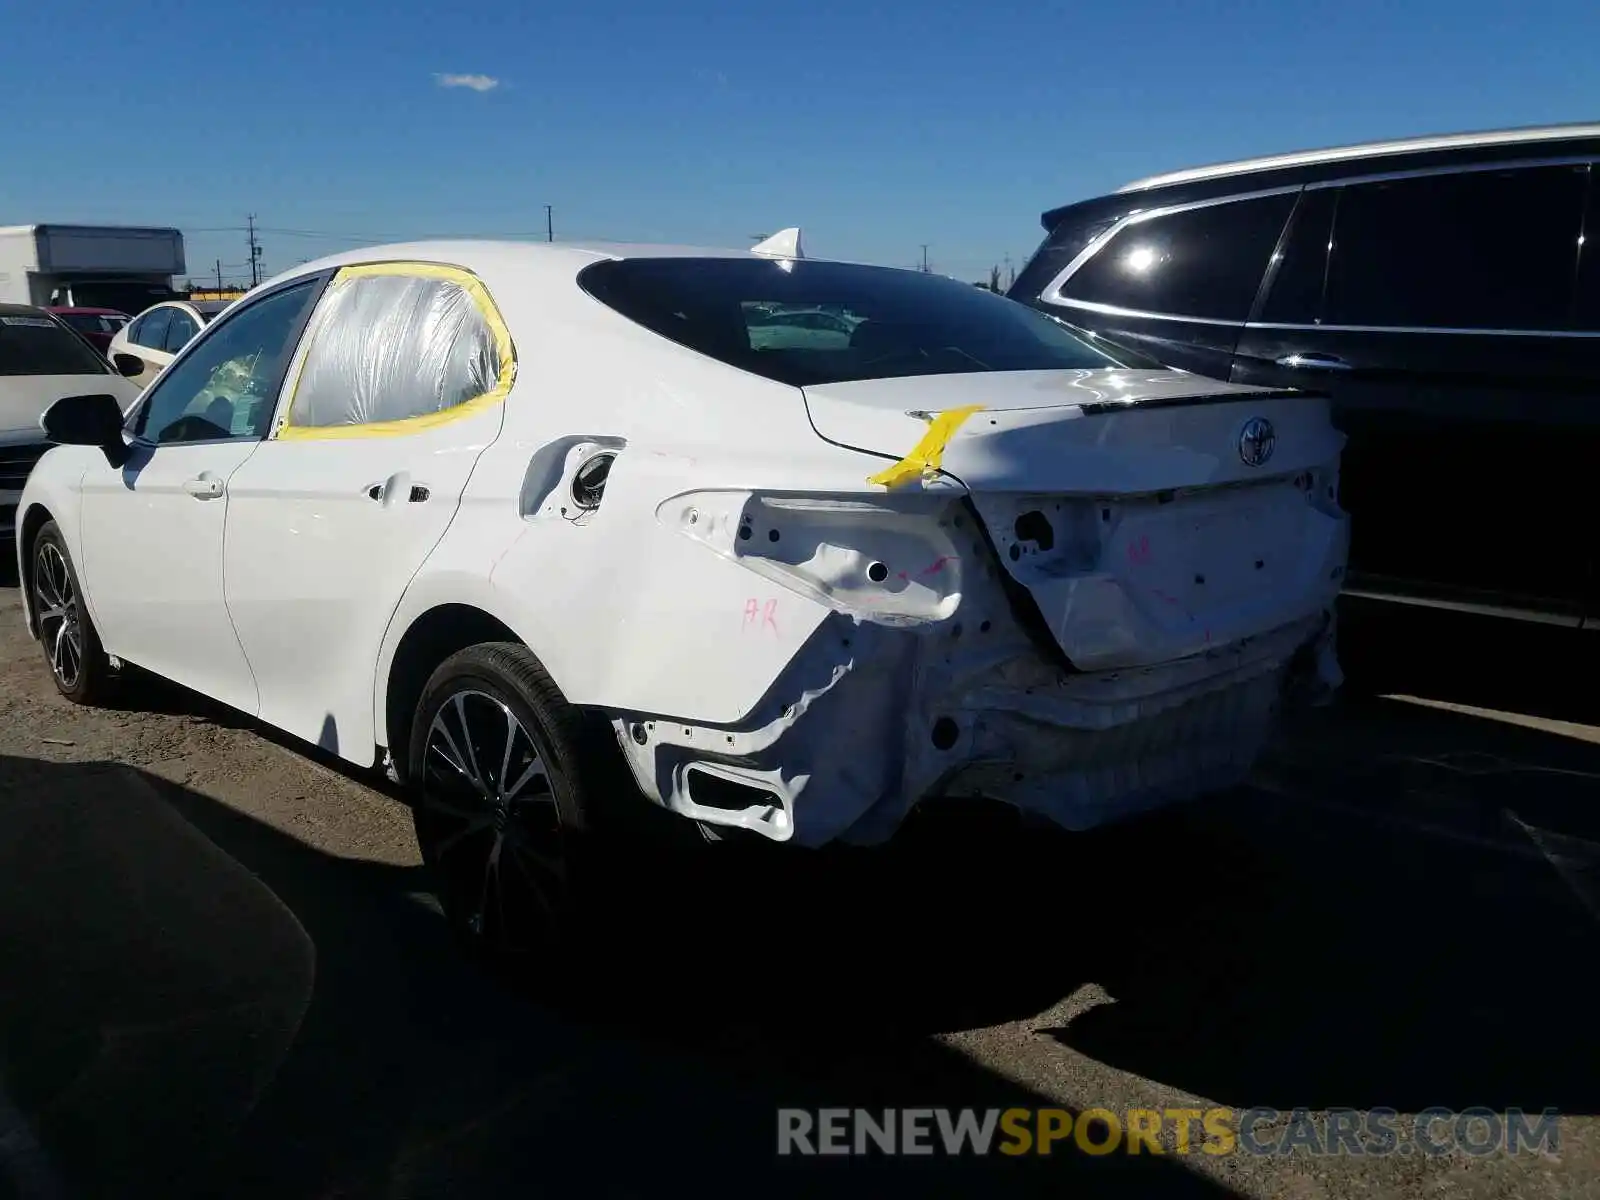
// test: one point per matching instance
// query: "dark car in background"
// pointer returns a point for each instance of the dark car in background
(1439, 289)
(97, 325)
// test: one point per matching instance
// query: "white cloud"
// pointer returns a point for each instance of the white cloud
(478, 83)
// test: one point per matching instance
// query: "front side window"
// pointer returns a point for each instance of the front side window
(36, 344)
(1201, 262)
(811, 323)
(1476, 250)
(392, 345)
(227, 386)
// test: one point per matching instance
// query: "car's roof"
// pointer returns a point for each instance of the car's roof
(68, 310)
(1360, 150)
(24, 310)
(198, 306)
(564, 258)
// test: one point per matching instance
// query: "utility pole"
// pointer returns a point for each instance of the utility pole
(549, 225)
(1011, 273)
(924, 258)
(219, 274)
(255, 252)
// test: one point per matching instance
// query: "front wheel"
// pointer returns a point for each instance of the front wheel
(502, 779)
(78, 664)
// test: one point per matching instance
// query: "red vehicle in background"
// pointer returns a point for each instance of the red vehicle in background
(97, 325)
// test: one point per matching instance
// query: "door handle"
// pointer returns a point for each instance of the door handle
(393, 488)
(203, 487)
(1313, 362)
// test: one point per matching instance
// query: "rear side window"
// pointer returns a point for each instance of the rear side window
(1478, 250)
(811, 323)
(1068, 238)
(92, 322)
(394, 346)
(180, 330)
(35, 344)
(151, 329)
(1202, 262)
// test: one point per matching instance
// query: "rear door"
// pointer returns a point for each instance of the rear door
(1437, 309)
(147, 338)
(396, 391)
(1175, 283)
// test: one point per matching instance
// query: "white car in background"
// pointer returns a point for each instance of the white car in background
(521, 521)
(41, 361)
(155, 336)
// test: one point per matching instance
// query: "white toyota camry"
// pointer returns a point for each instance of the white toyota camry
(544, 527)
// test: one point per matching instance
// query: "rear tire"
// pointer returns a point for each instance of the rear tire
(505, 783)
(78, 663)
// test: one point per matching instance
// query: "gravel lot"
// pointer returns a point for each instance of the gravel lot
(222, 974)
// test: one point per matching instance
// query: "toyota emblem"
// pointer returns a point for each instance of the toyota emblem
(1256, 441)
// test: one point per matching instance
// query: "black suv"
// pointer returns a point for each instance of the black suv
(1437, 288)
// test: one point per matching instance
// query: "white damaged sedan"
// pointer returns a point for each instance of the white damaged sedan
(548, 527)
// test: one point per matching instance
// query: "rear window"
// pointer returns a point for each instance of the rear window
(93, 322)
(811, 323)
(39, 345)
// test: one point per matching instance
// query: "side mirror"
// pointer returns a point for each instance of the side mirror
(127, 365)
(87, 421)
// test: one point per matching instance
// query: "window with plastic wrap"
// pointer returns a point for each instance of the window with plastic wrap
(393, 347)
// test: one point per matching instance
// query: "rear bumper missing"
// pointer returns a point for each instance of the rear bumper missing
(871, 721)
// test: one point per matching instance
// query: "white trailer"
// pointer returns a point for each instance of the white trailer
(124, 267)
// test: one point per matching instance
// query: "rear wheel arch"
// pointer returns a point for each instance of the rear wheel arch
(431, 638)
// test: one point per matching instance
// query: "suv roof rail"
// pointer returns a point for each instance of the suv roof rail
(1443, 141)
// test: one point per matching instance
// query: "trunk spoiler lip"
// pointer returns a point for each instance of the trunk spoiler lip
(1095, 408)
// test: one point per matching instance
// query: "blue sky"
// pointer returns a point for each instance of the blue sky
(875, 126)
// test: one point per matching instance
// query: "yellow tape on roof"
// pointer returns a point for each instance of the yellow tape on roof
(504, 352)
(928, 453)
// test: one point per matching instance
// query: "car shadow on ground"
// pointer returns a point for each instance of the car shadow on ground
(1390, 920)
(1398, 917)
(208, 1006)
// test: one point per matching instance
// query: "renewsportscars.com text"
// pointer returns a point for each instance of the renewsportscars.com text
(1214, 1131)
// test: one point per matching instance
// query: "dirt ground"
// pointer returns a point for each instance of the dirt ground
(221, 973)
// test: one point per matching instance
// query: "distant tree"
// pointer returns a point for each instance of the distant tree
(994, 279)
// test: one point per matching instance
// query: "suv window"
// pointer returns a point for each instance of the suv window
(1202, 262)
(1586, 304)
(36, 344)
(391, 347)
(150, 330)
(1301, 262)
(900, 323)
(228, 385)
(1475, 250)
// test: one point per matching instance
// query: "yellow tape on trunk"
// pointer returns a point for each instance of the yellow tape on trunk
(929, 452)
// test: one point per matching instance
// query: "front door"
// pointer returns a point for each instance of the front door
(152, 530)
(396, 393)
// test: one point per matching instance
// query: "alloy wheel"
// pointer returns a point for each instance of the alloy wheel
(494, 829)
(60, 627)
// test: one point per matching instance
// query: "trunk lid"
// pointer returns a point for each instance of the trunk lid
(1149, 515)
